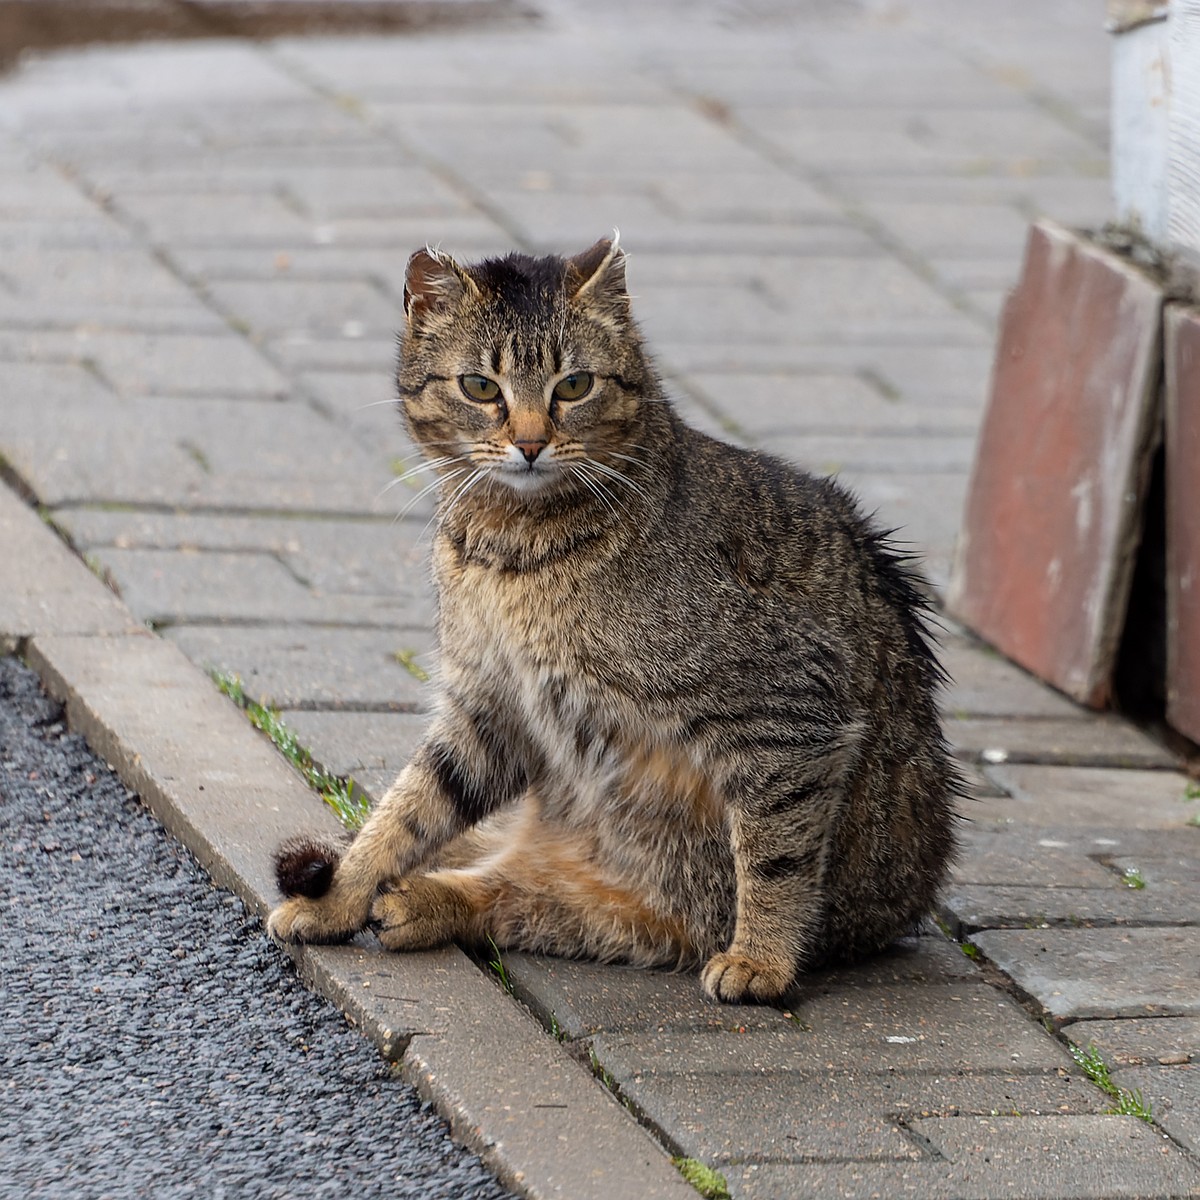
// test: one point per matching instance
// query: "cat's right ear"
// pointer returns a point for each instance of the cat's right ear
(433, 283)
(598, 274)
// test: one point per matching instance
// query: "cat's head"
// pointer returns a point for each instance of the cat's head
(527, 373)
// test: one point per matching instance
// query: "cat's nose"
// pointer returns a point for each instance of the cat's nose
(531, 448)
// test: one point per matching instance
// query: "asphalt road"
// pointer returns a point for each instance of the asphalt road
(153, 1042)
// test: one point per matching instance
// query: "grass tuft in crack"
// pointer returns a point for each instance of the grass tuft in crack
(1134, 879)
(704, 1179)
(347, 801)
(497, 967)
(408, 660)
(1128, 1103)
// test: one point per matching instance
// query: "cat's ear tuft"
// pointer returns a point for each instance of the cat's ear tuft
(433, 282)
(598, 274)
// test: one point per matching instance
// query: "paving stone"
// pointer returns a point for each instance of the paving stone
(1052, 523)
(1095, 741)
(1069, 1158)
(314, 666)
(585, 998)
(347, 743)
(172, 587)
(1091, 796)
(900, 1028)
(334, 558)
(351, 309)
(1183, 527)
(971, 907)
(1138, 1041)
(1021, 878)
(1029, 1155)
(190, 217)
(856, 456)
(300, 351)
(948, 230)
(1078, 973)
(178, 452)
(827, 1115)
(983, 684)
(180, 365)
(1173, 1094)
(125, 276)
(824, 402)
(1065, 857)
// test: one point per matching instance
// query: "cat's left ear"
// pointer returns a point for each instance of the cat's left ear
(598, 274)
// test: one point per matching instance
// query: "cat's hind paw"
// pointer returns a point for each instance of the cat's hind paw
(736, 978)
(315, 921)
(419, 914)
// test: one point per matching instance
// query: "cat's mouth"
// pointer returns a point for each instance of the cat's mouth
(525, 472)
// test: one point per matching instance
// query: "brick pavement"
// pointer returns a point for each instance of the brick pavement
(201, 250)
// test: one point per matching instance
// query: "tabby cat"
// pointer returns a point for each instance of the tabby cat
(686, 713)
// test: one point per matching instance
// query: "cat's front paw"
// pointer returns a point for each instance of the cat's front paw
(736, 978)
(317, 921)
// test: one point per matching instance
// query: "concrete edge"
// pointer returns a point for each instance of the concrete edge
(509, 1091)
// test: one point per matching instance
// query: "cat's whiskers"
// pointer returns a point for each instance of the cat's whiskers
(431, 465)
(614, 474)
(480, 473)
(601, 493)
(430, 487)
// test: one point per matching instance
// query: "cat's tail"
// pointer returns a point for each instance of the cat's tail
(304, 865)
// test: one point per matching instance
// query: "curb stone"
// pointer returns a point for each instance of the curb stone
(509, 1091)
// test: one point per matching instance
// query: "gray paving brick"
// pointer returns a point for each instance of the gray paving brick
(179, 587)
(178, 452)
(348, 309)
(829, 1115)
(984, 684)
(932, 453)
(191, 217)
(1138, 1041)
(1015, 1151)
(1094, 796)
(334, 557)
(1077, 973)
(348, 743)
(584, 998)
(901, 1028)
(1173, 1094)
(180, 365)
(1018, 878)
(826, 402)
(303, 351)
(1064, 857)
(315, 667)
(1090, 740)
(363, 401)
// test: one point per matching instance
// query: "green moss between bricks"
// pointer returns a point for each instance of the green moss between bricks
(704, 1179)
(346, 800)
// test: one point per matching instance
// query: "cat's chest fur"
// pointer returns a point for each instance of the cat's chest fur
(559, 659)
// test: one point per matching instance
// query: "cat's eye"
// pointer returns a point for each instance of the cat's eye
(480, 388)
(574, 386)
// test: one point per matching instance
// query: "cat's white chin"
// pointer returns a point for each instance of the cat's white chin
(527, 481)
